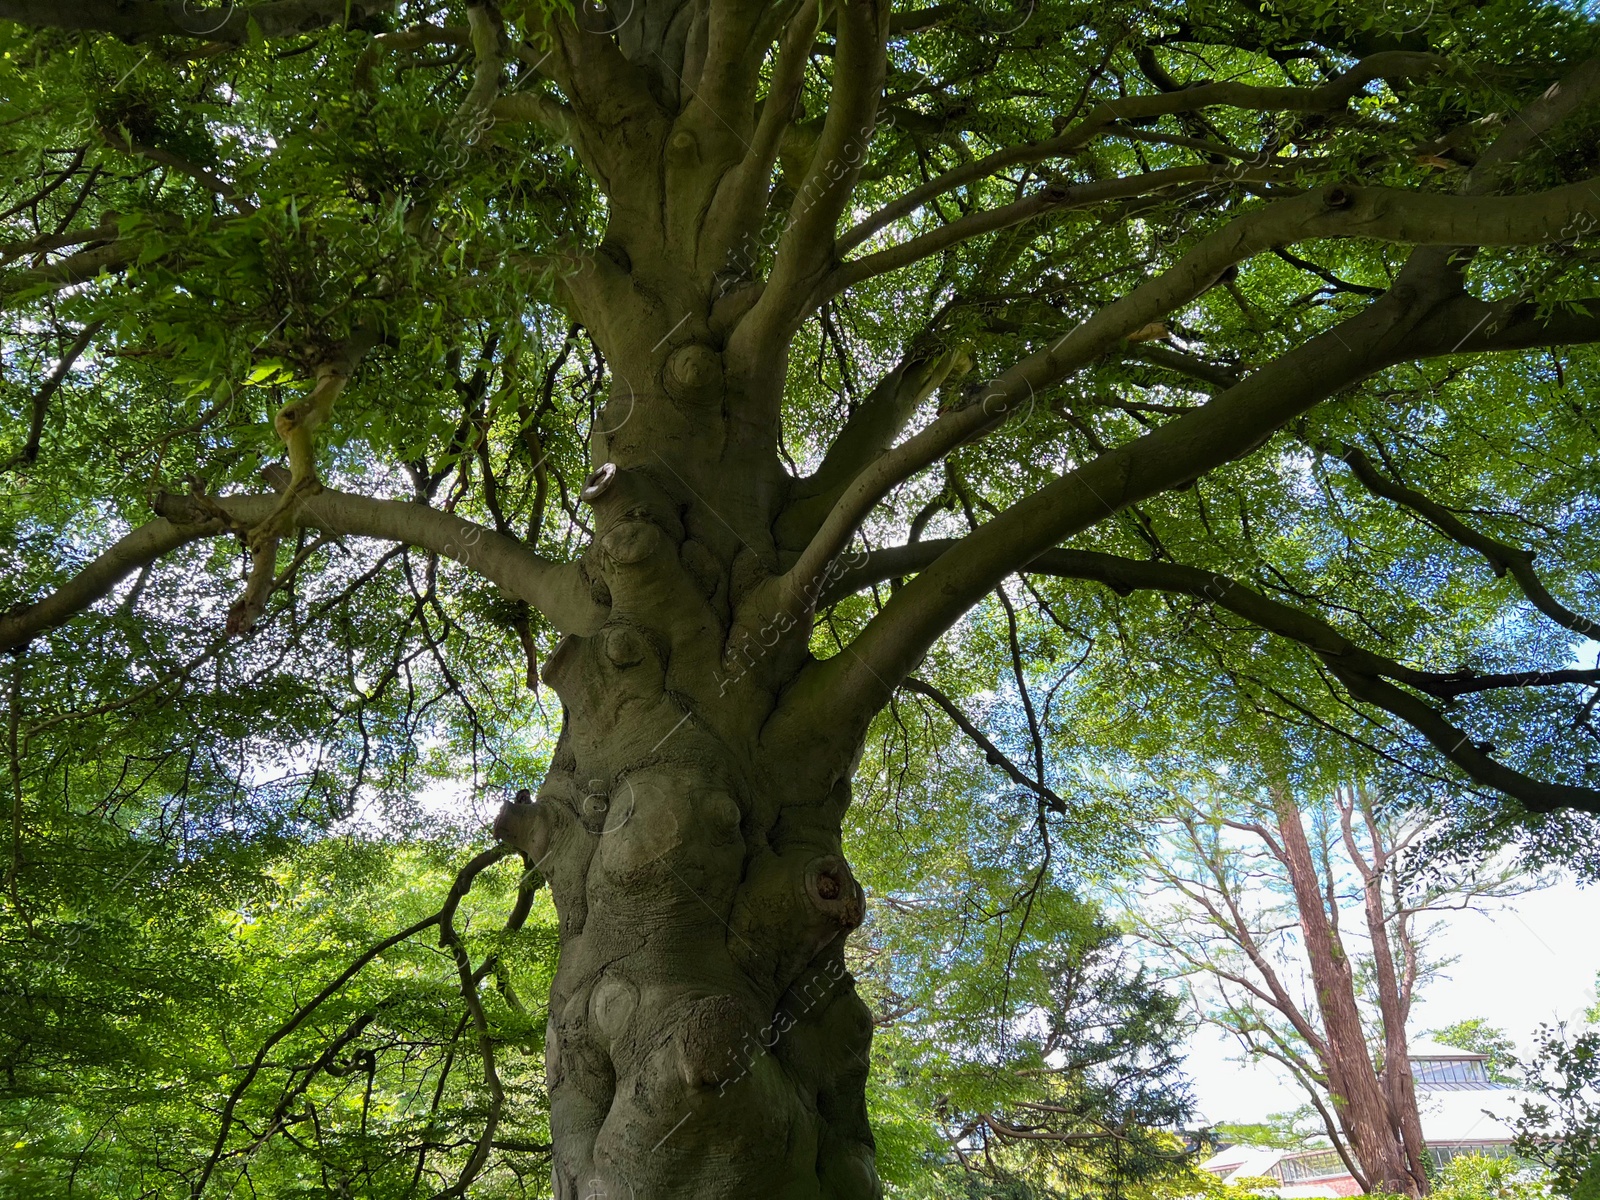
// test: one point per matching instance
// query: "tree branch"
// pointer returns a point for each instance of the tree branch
(1231, 426)
(741, 196)
(166, 158)
(1423, 313)
(557, 589)
(403, 41)
(1233, 926)
(1502, 556)
(43, 244)
(1336, 211)
(992, 754)
(869, 432)
(1215, 376)
(1363, 673)
(1579, 88)
(1055, 197)
(1533, 794)
(1125, 575)
(1329, 97)
(1327, 276)
(463, 884)
(450, 939)
(29, 453)
(806, 247)
(138, 20)
(74, 269)
(607, 93)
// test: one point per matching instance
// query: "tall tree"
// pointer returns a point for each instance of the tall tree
(651, 339)
(1253, 895)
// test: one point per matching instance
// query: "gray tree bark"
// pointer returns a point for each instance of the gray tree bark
(705, 1036)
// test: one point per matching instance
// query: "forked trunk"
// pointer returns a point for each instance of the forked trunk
(705, 1037)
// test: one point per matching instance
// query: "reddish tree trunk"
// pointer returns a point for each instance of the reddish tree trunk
(1361, 1100)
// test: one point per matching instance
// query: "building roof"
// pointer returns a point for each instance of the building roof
(1425, 1048)
(1237, 1163)
(1247, 1162)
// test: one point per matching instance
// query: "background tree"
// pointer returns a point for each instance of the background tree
(1477, 1177)
(1009, 1009)
(1295, 1130)
(1307, 936)
(1480, 1037)
(204, 991)
(1561, 1129)
(724, 356)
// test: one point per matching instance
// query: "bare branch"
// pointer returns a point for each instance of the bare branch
(1229, 919)
(557, 589)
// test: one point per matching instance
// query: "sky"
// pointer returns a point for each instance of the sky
(1524, 962)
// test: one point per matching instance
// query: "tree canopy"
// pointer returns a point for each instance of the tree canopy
(1010, 407)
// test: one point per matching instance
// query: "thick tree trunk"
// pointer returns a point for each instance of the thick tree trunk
(705, 1037)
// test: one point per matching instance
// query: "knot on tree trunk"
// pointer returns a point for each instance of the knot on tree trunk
(630, 542)
(525, 826)
(693, 375)
(195, 510)
(834, 892)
